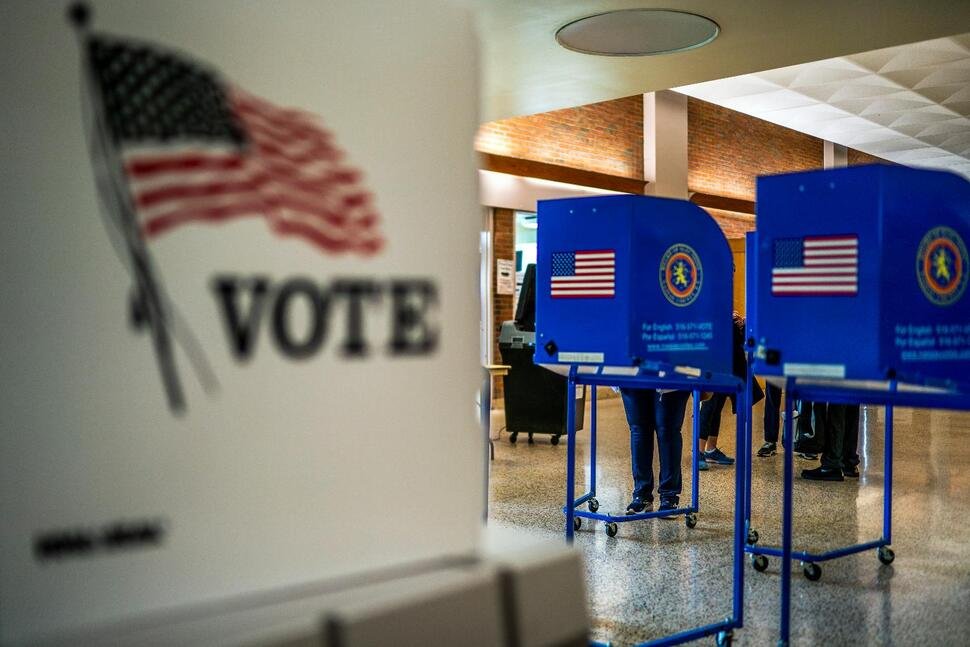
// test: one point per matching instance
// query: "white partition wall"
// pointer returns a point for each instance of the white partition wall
(238, 306)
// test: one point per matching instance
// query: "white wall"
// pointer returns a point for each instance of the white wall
(523, 193)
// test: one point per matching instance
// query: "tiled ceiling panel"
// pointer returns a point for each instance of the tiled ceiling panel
(909, 104)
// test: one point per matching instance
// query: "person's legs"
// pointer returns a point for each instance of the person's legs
(706, 420)
(804, 433)
(709, 445)
(822, 427)
(850, 449)
(669, 411)
(710, 425)
(772, 420)
(834, 437)
(810, 438)
(772, 412)
(831, 467)
(710, 419)
(639, 407)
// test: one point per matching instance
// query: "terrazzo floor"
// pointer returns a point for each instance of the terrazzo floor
(657, 577)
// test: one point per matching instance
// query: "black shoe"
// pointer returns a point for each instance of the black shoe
(668, 504)
(804, 447)
(768, 449)
(823, 474)
(851, 470)
(639, 505)
(808, 456)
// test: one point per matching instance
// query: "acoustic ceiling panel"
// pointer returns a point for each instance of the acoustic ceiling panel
(909, 104)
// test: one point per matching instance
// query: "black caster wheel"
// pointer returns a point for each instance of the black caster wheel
(514, 436)
(725, 638)
(812, 571)
(690, 519)
(759, 562)
(531, 439)
(554, 440)
(611, 529)
(577, 523)
(886, 555)
(593, 505)
(753, 537)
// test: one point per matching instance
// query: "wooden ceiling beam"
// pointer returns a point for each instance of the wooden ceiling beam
(724, 204)
(556, 173)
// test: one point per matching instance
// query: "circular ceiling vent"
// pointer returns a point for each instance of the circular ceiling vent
(637, 32)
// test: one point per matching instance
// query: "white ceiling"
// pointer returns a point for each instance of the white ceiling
(526, 72)
(909, 104)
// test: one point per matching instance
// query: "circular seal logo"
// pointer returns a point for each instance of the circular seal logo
(681, 274)
(941, 266)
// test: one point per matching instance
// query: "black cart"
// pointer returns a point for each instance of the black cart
(535, 397)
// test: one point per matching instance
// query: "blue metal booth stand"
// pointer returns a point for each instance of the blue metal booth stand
(856, 295)
(635, 292)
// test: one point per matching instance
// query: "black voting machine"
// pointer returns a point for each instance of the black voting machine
(535, 397)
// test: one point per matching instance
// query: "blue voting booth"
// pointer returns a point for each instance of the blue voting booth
(630, 281)
(870, 258)
(857, 282)
(635, 292)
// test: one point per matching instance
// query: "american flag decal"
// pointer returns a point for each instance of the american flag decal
(816, 266)
(583, 274)
(194, 149)
(172, 143)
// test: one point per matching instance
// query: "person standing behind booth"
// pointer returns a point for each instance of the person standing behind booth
(812, 425)
(662, 412)
(839, 456)
(772, 420)
(710, 416)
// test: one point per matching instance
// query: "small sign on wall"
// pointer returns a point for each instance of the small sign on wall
(505, 271)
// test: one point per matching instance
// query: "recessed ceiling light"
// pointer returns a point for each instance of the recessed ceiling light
(637, 32)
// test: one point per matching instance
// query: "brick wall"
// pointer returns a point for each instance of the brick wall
(603, 137)
(727, 150)
(503, 246)
(734, 225)
(858, 157)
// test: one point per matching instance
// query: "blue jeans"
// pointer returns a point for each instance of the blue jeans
(807, 439)
(649, 412)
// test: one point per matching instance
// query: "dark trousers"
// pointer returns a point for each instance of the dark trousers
(649, 412)
(841, 436)
(772, 412)
(809, 439)
(710, 417)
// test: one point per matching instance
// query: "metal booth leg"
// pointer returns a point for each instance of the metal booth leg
(748, 431)
(887, 504)
(740, 502)
(694, 493)
(786, 519)
(570, 451)
(592, 443)
(885, 553)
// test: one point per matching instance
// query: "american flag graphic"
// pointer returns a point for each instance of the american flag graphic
(816, 266)
(583, 274)
(193, 149)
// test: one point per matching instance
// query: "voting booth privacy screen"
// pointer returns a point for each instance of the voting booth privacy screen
(630, 281)
(239, 268)
(861, 273)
